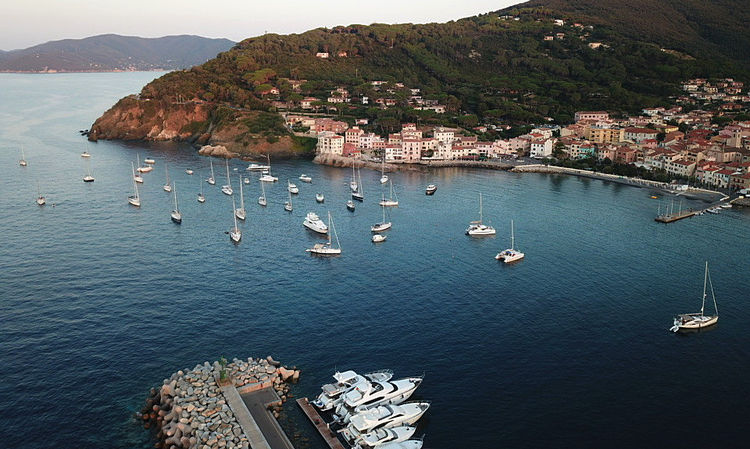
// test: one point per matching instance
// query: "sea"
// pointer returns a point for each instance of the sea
(570, 347)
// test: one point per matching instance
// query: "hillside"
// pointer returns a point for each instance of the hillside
(509, 66)
(113, 52)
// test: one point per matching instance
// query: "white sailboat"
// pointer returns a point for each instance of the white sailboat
(383, 225)
(288, 205)
(240, 211)
(22, 162)
(262, 199)
(135, 198)
(227, 189)
(40, 199)
(211, 179)
(167, 185)
(353, 183)
(189, 171)
(478, 228)
(235, 234)
(88, 177)
(511, 254)
(359, 193)
(176, 215)
(697, 321)
(383, 176)
(327, 249)
(392, 201)
(86, 151)
(267, 177)
(201, 196)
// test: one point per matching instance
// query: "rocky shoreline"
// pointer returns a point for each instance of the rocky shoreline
(189, 410)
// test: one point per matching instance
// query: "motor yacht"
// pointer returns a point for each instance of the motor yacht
(304, 178)
(149, 160)
(292, 187)
(408, 444)
(383, 416)
(430, 190)
(319, 197)
(378, 238)
(314, 223)
(378, 437)
(350, 205)
(346, 381)
(257, 167)
(189, 171)
(376, 393)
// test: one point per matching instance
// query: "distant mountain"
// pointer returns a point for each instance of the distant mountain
(110, 52)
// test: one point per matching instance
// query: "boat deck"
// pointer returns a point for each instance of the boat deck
(314, 417)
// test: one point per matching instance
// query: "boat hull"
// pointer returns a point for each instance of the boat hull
(693, 322)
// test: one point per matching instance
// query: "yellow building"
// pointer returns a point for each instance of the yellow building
(604, 135)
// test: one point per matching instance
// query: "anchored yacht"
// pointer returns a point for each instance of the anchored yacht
(305, 178)
(408, 444)
(376, 393)
(346, 381)
(697, 321)
(314, 223)
(383, 416)
(511, 254)
(478, 228)
(379, 437)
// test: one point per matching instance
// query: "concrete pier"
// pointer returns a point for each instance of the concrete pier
(315, 418)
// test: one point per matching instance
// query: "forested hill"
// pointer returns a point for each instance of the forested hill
(515, 65)
(109, 52)
(696, 27)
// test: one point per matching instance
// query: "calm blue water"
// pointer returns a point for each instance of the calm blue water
(99, 300)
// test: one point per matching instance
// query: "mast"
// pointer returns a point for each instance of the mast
(229, 181)
(336, 234)
(512, 236)
(263, 189)
(174, 193)
(383, 207)
(480, 208)
(166, 171)
(359, 181)
(716, 308)
(210, 161)
(705, 279)
(234, 206)
(135, 185)
(242, 195)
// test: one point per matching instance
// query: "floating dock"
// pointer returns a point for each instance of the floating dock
(669, 218)
(315, 418)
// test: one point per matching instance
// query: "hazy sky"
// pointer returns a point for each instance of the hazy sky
(24, 23)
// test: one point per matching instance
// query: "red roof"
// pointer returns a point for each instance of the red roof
(634, 130)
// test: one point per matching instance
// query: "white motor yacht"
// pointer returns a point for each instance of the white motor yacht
(478, 228)
(378, 238)
(511, 254)
(345, 381)
(314, 223)
(188, 171)
(292, 187)
(304, 178)
(378, 437)
(319, 197)
(383, 416)
(350, 205)
(268, 178)
(697, 321)
(257, 167)
(145, 169)
(85, 154)
(430, 190)
(378, 393)
(149, 160)
(408, 444)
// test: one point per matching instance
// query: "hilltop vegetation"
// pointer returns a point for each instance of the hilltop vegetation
(482, 68)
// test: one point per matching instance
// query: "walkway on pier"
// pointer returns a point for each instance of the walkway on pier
(315, 418)
(249, 427)
(257, 403)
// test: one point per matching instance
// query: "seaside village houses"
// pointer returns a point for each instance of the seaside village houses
(717, 156)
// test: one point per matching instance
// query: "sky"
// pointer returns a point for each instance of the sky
(26, 23)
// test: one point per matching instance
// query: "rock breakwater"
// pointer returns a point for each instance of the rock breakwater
(189, 410)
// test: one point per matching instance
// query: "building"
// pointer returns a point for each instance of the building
(604, 135)
(330, 143)
(638, 135)
(541, 148)
(592, 115)
(680, 167)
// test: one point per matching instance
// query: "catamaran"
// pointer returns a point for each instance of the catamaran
(22, 162)
(267, 177)
(392, 201)
(167, 185)
(383, 225)
(240, 212)
(262, 199)
(235, 234)
(327, 249)
(176, 215)
(693, 321)
(383, 176)
(227, 189)
(135, 198)
(211, 180)
(477, 228)
(511, 254)
(88, 177)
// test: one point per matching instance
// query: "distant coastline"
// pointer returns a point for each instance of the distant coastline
(55, 72)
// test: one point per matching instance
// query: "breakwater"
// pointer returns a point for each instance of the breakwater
(190, 410)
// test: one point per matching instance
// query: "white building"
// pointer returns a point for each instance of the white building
(330, 143)
(541, 148)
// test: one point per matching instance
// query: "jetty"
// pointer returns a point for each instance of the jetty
(328, 435)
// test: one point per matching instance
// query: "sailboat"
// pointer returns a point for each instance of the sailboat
(383, 225)
(201, 197)
(693, 321)
(227, 189)
(288, 205)
(211, 180)
(262, 199)
(86, 151)
(40, 199)
(327, 249)
(392, 201)
(383, 176)
(23, 162)
(358, 193)
(176, 215)
(134, 199)
(88, 177)
(235, 234)
(167, 186)
(353, 183)
(477, 228)
(266, 177)
(240, 211)
(511, 254)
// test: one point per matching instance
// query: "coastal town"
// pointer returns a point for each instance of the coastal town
(703, 146)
